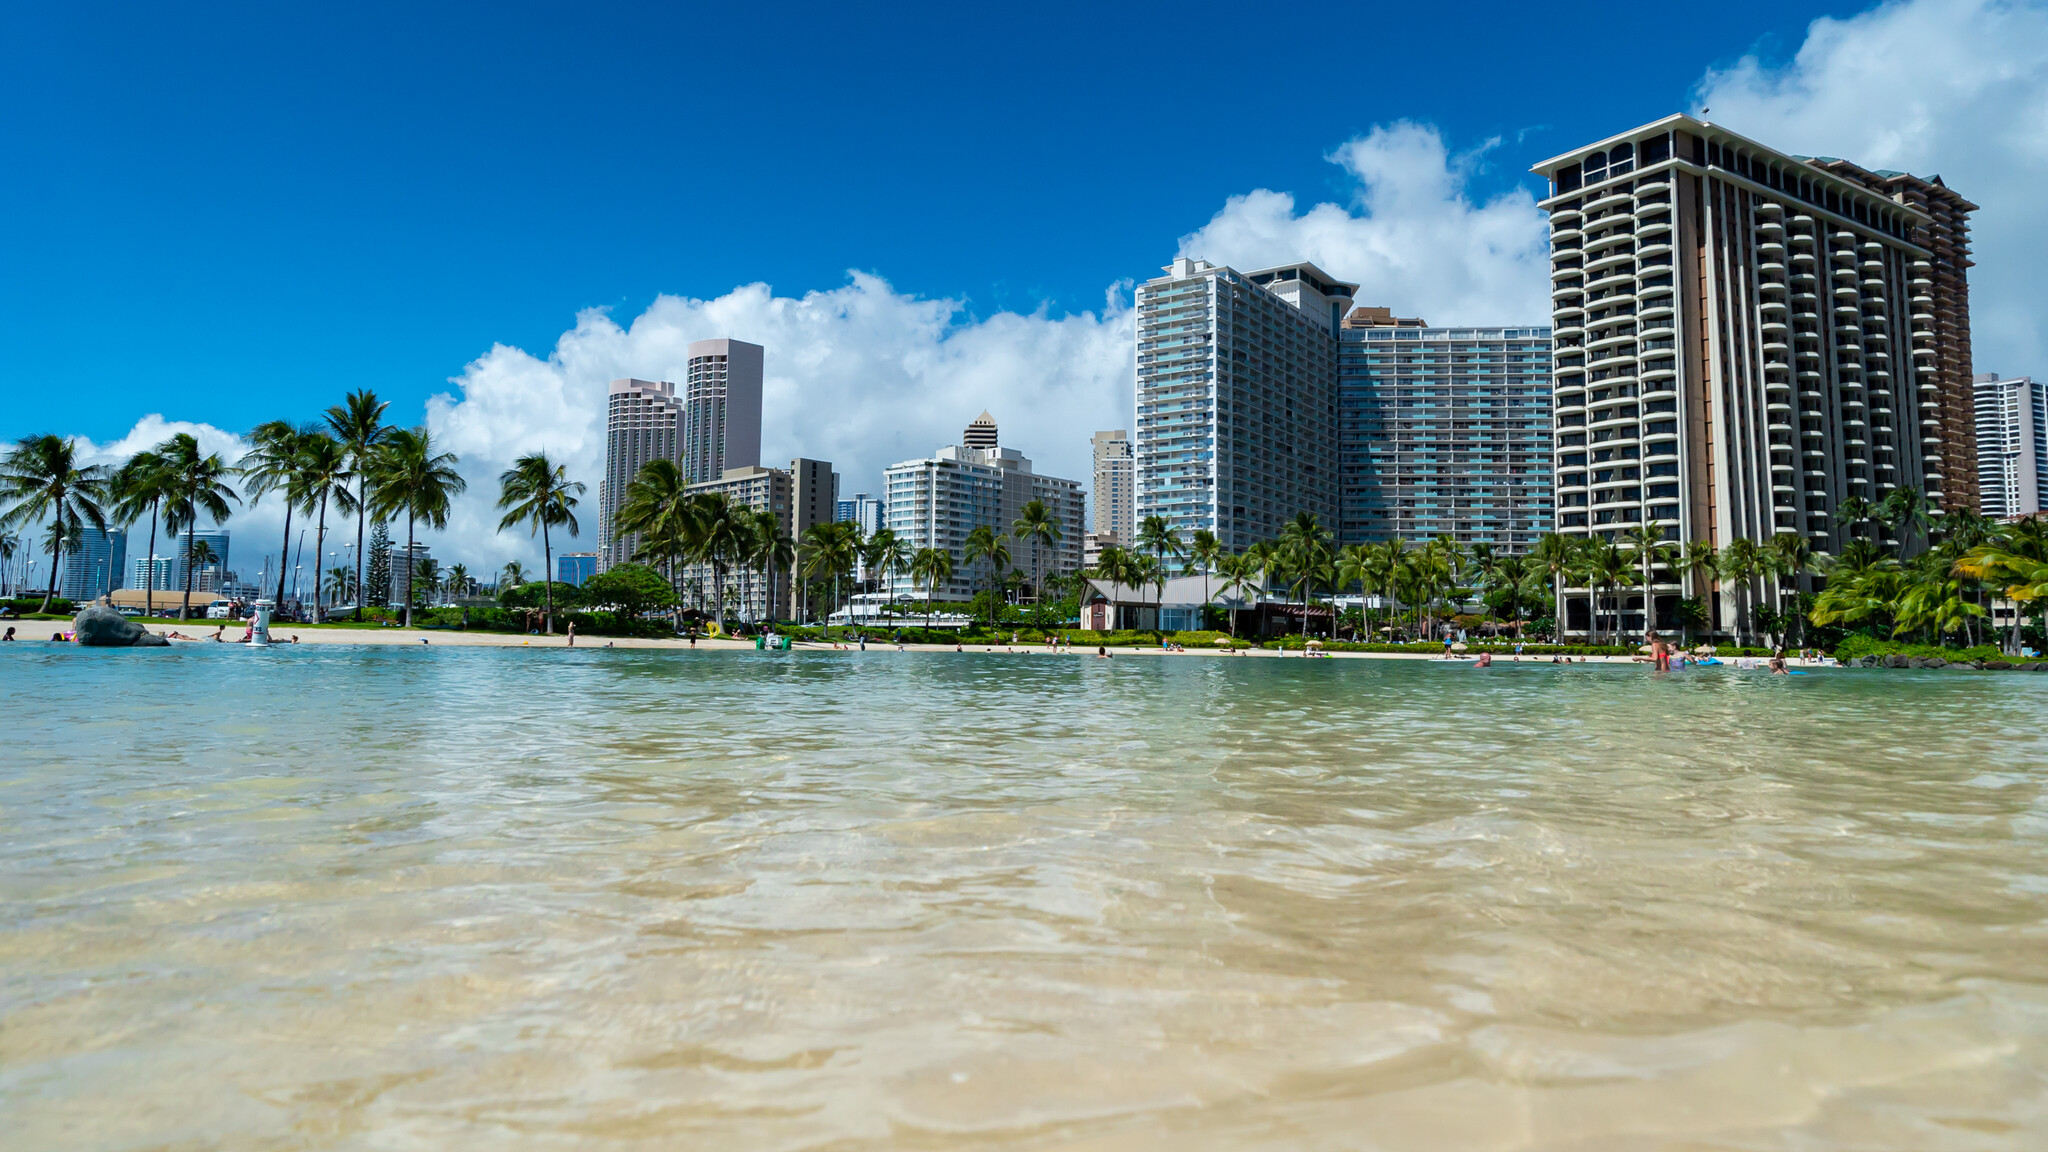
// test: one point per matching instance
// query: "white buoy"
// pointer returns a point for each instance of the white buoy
(259, 624)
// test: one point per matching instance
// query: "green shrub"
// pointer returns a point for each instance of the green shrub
(1862, 644)
(23, 605)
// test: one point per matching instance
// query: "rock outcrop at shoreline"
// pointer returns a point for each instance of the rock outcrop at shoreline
(1896, 661)
(101, 627)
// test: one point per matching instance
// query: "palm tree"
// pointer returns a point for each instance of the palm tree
(198, 486)
(829, 550)
(1651, 551)
(1554, 556)
(1789, 555)
(538, 491)
(885, 553)
(771, 550)
(341, 582)
(1607, 566)
(1905, 510)
(1742, 561)
(512, 575)
(715, 536)
(458, 579)
(2018, 559)
(657, 507)
(1161, 539)
(42, 477)
(1511, 573)
(984, 544)
(323, 472)
(1037, 524)
(1204, 550)
(1240, 575)
(408, 476)
(276, 462)
(1853, 510)
(1307, 544)
(428, 573)
(137, 490)
(358, 423)
(932, 566)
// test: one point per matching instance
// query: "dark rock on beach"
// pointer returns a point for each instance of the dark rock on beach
(99, 626)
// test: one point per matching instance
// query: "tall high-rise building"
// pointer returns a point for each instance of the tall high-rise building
(814, 495)
(721, 417)
(1744, 339)
(643, 421)
(937, 501)
(981, 433)
(1945, 234)
(158, 572)
(1115, 498)
(94, 566)
(1237, 398)
(2012, 445)
(1443, 432)
(866, 512)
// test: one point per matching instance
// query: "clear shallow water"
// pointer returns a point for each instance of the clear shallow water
(476, 898)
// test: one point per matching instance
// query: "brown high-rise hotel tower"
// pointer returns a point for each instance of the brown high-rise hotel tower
(1744, 340)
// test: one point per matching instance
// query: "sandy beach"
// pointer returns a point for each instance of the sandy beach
(413, 636)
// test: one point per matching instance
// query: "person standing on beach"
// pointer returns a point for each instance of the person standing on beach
(572, 633)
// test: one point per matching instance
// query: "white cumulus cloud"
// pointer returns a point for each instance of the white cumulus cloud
(1411, 237)
(1955, 88)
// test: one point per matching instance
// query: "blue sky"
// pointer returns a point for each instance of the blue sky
(226, 213)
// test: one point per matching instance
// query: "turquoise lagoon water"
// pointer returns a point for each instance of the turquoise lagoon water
(332, 897)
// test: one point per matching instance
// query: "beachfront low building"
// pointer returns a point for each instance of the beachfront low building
(1107, 606)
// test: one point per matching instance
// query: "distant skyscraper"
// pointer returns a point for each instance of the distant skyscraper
(95, 565)
(158, 572)
(575, 567)
(1443, 432)
(643, 422)
(405, 562)
(721, 420)
(2012, 445)
(814, 494)
(980, 434)
(1236, 398)
(209, 575)
(1114, 496)
(1745, 339)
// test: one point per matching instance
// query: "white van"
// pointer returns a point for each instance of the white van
(221, 610)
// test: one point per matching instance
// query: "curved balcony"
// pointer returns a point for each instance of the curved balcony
(1620, 262)
(1564, 235)
(1611, 198)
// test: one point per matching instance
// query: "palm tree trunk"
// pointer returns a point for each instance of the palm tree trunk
(185, 612)
(56, 559)
(362, 513)
(319, 550)
(149, 564)
(547, 579)
(411, 565)
(284, 553)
